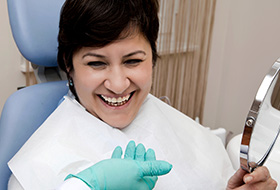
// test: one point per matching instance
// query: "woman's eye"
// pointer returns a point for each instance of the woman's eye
(133, 61)
(97, 64)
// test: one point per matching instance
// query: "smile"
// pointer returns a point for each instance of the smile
(116, 101)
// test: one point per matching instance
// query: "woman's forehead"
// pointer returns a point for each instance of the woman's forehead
(132, 43)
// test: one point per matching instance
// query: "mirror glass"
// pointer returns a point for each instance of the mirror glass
(263, 122)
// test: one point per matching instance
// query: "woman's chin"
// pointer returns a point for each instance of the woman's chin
(118, 124)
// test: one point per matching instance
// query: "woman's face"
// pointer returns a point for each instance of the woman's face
(113, 81)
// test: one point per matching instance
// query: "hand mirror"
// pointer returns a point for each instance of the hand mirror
(262, 124)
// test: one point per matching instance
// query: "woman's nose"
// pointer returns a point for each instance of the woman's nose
(117, 81)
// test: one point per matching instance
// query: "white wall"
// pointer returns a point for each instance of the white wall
(246, 42)
(10, 74)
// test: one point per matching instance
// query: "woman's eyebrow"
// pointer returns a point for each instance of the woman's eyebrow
(94, 55)
(133, 53)
(103, 56)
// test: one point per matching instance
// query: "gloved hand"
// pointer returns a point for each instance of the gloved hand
(138, 170)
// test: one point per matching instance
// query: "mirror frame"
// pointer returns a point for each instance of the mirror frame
(251, 120)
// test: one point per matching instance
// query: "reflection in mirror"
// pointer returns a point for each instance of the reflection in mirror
(262, 124)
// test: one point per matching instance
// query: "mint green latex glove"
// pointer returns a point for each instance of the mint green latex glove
(138, 170)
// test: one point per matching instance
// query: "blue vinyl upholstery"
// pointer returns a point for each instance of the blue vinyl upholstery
(23, 113)
(34, 24)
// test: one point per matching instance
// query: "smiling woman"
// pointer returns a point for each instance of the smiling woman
(112, 82)
(111, 56)
(108, 51)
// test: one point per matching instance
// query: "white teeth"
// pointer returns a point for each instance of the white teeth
(116, 101)
(120, 99)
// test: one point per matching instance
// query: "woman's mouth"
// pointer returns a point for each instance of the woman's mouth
(116, 101)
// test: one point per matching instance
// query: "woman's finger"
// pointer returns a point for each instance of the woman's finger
(140, 152)
(260, 174)
(117, 153)
(237, 179)
(150, 155)
(260, 179)
(269, 184)
(130, 150)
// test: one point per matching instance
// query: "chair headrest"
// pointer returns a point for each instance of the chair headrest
(34, 25)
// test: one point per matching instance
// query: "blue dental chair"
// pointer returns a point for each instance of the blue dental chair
(34, 25)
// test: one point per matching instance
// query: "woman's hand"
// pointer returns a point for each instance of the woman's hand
(259, 179)
(137, 170)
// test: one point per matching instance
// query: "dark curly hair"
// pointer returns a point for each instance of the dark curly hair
(97, 23)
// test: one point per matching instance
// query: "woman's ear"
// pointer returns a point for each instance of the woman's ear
(67, 68)
(65, 64)
(68, 71)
